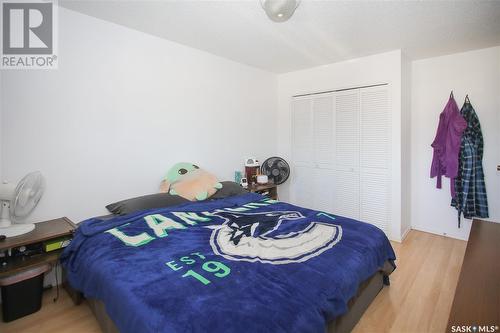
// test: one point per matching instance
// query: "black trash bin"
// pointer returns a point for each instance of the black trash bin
(22, 293)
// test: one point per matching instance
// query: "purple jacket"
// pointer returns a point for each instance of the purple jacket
(447, 144)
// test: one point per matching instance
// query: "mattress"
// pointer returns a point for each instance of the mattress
(345, 323)
(245, 263)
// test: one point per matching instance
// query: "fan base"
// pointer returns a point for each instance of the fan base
(17, 229)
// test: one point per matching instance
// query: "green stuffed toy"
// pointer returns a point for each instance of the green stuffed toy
(189, 181)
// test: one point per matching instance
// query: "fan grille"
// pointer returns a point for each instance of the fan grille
(277, 169)
(26, 196)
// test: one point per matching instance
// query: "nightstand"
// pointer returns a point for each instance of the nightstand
(270, 190)
(25, 254)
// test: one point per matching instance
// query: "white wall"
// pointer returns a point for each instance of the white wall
(1, 125)
(380, 68)
(121, 109)
(476, 73)
(406, 163)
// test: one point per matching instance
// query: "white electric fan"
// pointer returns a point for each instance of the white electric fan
(17, 202)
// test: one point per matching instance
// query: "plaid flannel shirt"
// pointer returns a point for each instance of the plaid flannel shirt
(470, 188)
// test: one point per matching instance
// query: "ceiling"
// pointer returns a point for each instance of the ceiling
(320, 32)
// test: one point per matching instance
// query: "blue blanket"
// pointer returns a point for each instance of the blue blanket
(241, 264)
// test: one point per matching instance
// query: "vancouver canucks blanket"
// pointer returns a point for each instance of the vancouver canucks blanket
(241, 264)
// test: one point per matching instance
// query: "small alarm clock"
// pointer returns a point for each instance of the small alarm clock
(251, 162)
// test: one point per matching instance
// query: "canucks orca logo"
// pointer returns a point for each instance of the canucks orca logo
(266, 237)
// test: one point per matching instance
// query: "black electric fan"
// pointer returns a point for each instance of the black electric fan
(277, 169)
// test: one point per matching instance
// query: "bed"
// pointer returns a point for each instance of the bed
(244, 263)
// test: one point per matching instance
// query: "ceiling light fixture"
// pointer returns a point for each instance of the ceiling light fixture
(279, 10)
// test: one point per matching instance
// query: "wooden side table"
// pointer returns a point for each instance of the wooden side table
(24, 260)
(44, 231)
(270, 189)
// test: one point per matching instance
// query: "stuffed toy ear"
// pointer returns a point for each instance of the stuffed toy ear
(164, 186)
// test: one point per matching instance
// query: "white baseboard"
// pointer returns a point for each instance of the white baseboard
(400, 238)
(405, 233)
(438, 233)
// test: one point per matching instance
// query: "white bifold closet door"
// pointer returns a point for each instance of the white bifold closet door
(302, 136)
(347, 200)
(313, 153)
(323, 175)
(341, 152)
(375, 150)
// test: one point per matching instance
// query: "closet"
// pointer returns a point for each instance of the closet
(341, 153)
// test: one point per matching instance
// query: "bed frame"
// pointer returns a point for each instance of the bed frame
(365, 295)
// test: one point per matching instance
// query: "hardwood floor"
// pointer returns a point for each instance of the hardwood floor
(422, 287)
(418, 300)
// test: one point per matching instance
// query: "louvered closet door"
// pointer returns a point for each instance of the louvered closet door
(302, 152)
(303, 187)
(324, 131)
(375, 148)
(347, 200)
(302, 132)
(324, 190)
(323, 176)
